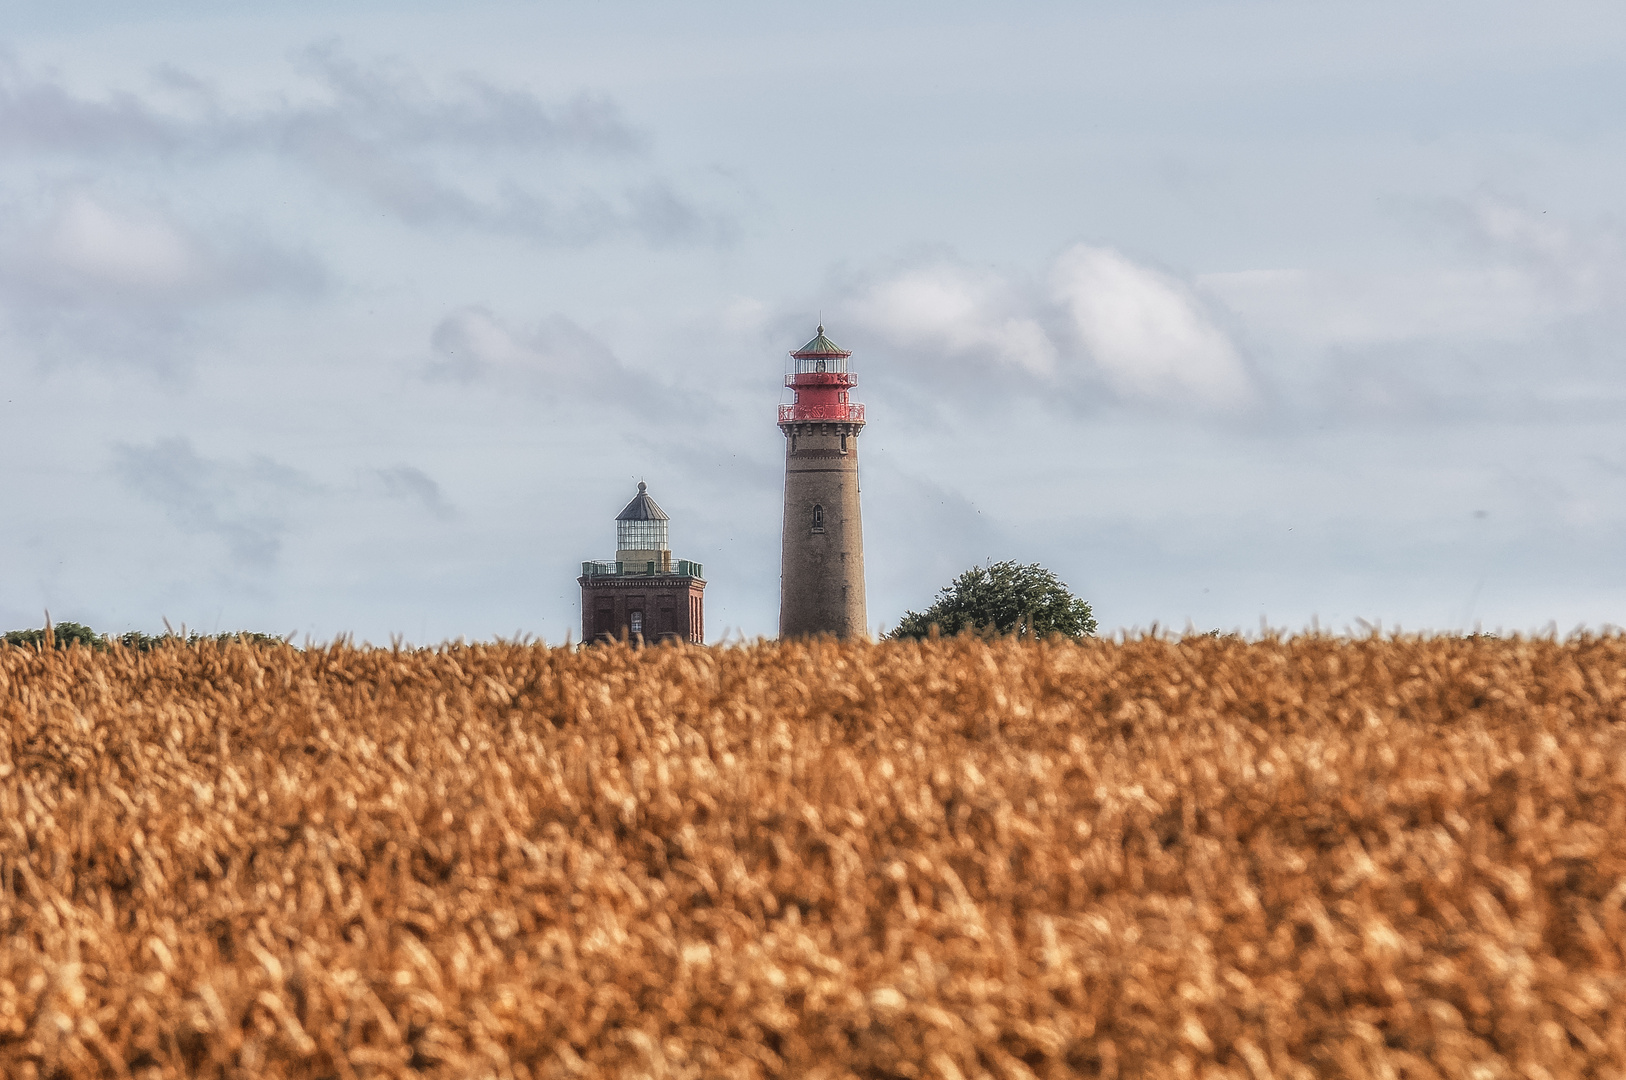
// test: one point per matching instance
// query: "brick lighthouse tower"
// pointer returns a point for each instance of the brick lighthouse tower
(643, 594)
(821, 583)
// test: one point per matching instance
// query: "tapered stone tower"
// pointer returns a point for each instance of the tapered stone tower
(821, 581)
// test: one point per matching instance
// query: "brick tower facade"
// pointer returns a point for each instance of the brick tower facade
(821, 582)
(643, 594)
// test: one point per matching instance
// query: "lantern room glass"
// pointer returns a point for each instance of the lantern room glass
(640, 535)
(820, 365)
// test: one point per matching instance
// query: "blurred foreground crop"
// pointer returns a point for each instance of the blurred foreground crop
(955, 859)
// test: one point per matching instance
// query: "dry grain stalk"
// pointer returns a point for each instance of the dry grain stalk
(1299, 858)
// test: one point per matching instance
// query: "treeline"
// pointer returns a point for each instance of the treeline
(64, 635)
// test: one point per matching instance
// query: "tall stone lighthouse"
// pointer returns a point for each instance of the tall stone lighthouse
(821, 583)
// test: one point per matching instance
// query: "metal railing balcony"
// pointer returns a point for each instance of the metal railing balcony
(822, 378)
(611, 568)
(797, 411)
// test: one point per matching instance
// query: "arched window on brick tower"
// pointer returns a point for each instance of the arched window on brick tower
(643, 594)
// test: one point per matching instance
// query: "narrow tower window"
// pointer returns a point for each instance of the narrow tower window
(818, 519)
(636, 622)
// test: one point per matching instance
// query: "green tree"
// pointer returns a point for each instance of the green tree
(1003, 598)
(63, 634)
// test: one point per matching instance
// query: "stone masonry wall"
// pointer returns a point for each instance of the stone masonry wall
(822, 572)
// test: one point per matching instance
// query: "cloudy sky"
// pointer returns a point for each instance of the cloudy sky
(1226, 312)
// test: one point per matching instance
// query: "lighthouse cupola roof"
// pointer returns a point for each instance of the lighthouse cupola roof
(642, 507)
(821, 346)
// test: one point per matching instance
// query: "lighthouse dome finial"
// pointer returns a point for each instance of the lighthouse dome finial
(821, 328)
(642, 487)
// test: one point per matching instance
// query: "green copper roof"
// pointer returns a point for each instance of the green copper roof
(821, 346)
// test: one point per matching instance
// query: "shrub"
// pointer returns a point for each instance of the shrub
(1002, 598)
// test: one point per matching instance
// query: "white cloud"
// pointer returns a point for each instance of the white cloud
(1518, 270)
(411, 484)
(1104, 323)
(384, 134)
(744, 316)
(246, 505)
(1146, 332)
(94, 277)
(136, 251)
(553, 360)
(960, 312)
(473, 343)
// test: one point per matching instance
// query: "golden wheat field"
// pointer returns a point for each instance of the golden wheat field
(1210, 857)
